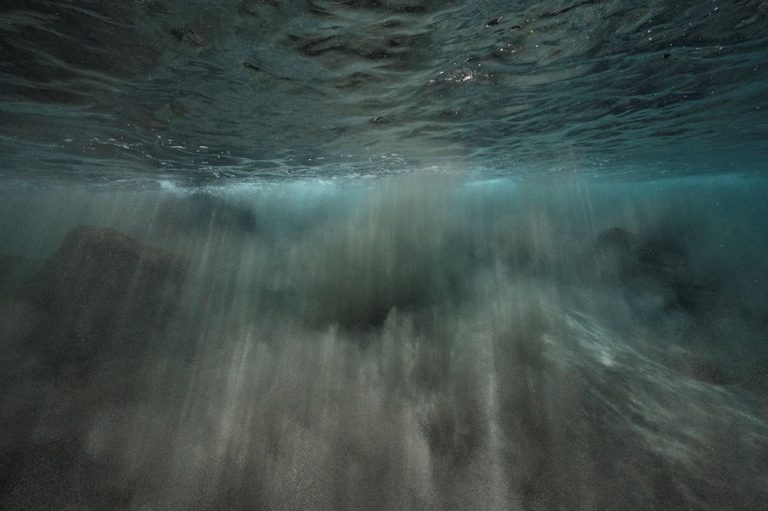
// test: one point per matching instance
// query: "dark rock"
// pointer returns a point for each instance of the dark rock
(59, 475)
(251, 65)
(8, 265)
(102, 284)
(187, 36)
(698, 367)
(662, 258)
(757, 383)
(665, 263)
(659, 265)
(18, 319)
(13, 270)
(614, 253)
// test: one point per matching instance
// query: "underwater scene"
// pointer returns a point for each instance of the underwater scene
(383, 255)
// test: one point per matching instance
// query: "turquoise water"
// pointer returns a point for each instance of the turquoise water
(407, 255)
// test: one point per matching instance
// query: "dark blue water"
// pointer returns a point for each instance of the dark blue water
(205, 90)
(361, 254)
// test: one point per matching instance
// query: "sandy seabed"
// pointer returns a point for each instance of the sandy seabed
(397, 344)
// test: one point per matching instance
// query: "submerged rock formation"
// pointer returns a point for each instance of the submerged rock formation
(103, 285)
(657, 266)
(13, 270)
(698, 366)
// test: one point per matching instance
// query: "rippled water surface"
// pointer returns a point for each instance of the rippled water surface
(383, 255)
(339, 87)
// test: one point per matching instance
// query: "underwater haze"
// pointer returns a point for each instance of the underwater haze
(383, 255)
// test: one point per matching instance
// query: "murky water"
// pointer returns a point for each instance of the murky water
(407, 344)
(383, 255)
